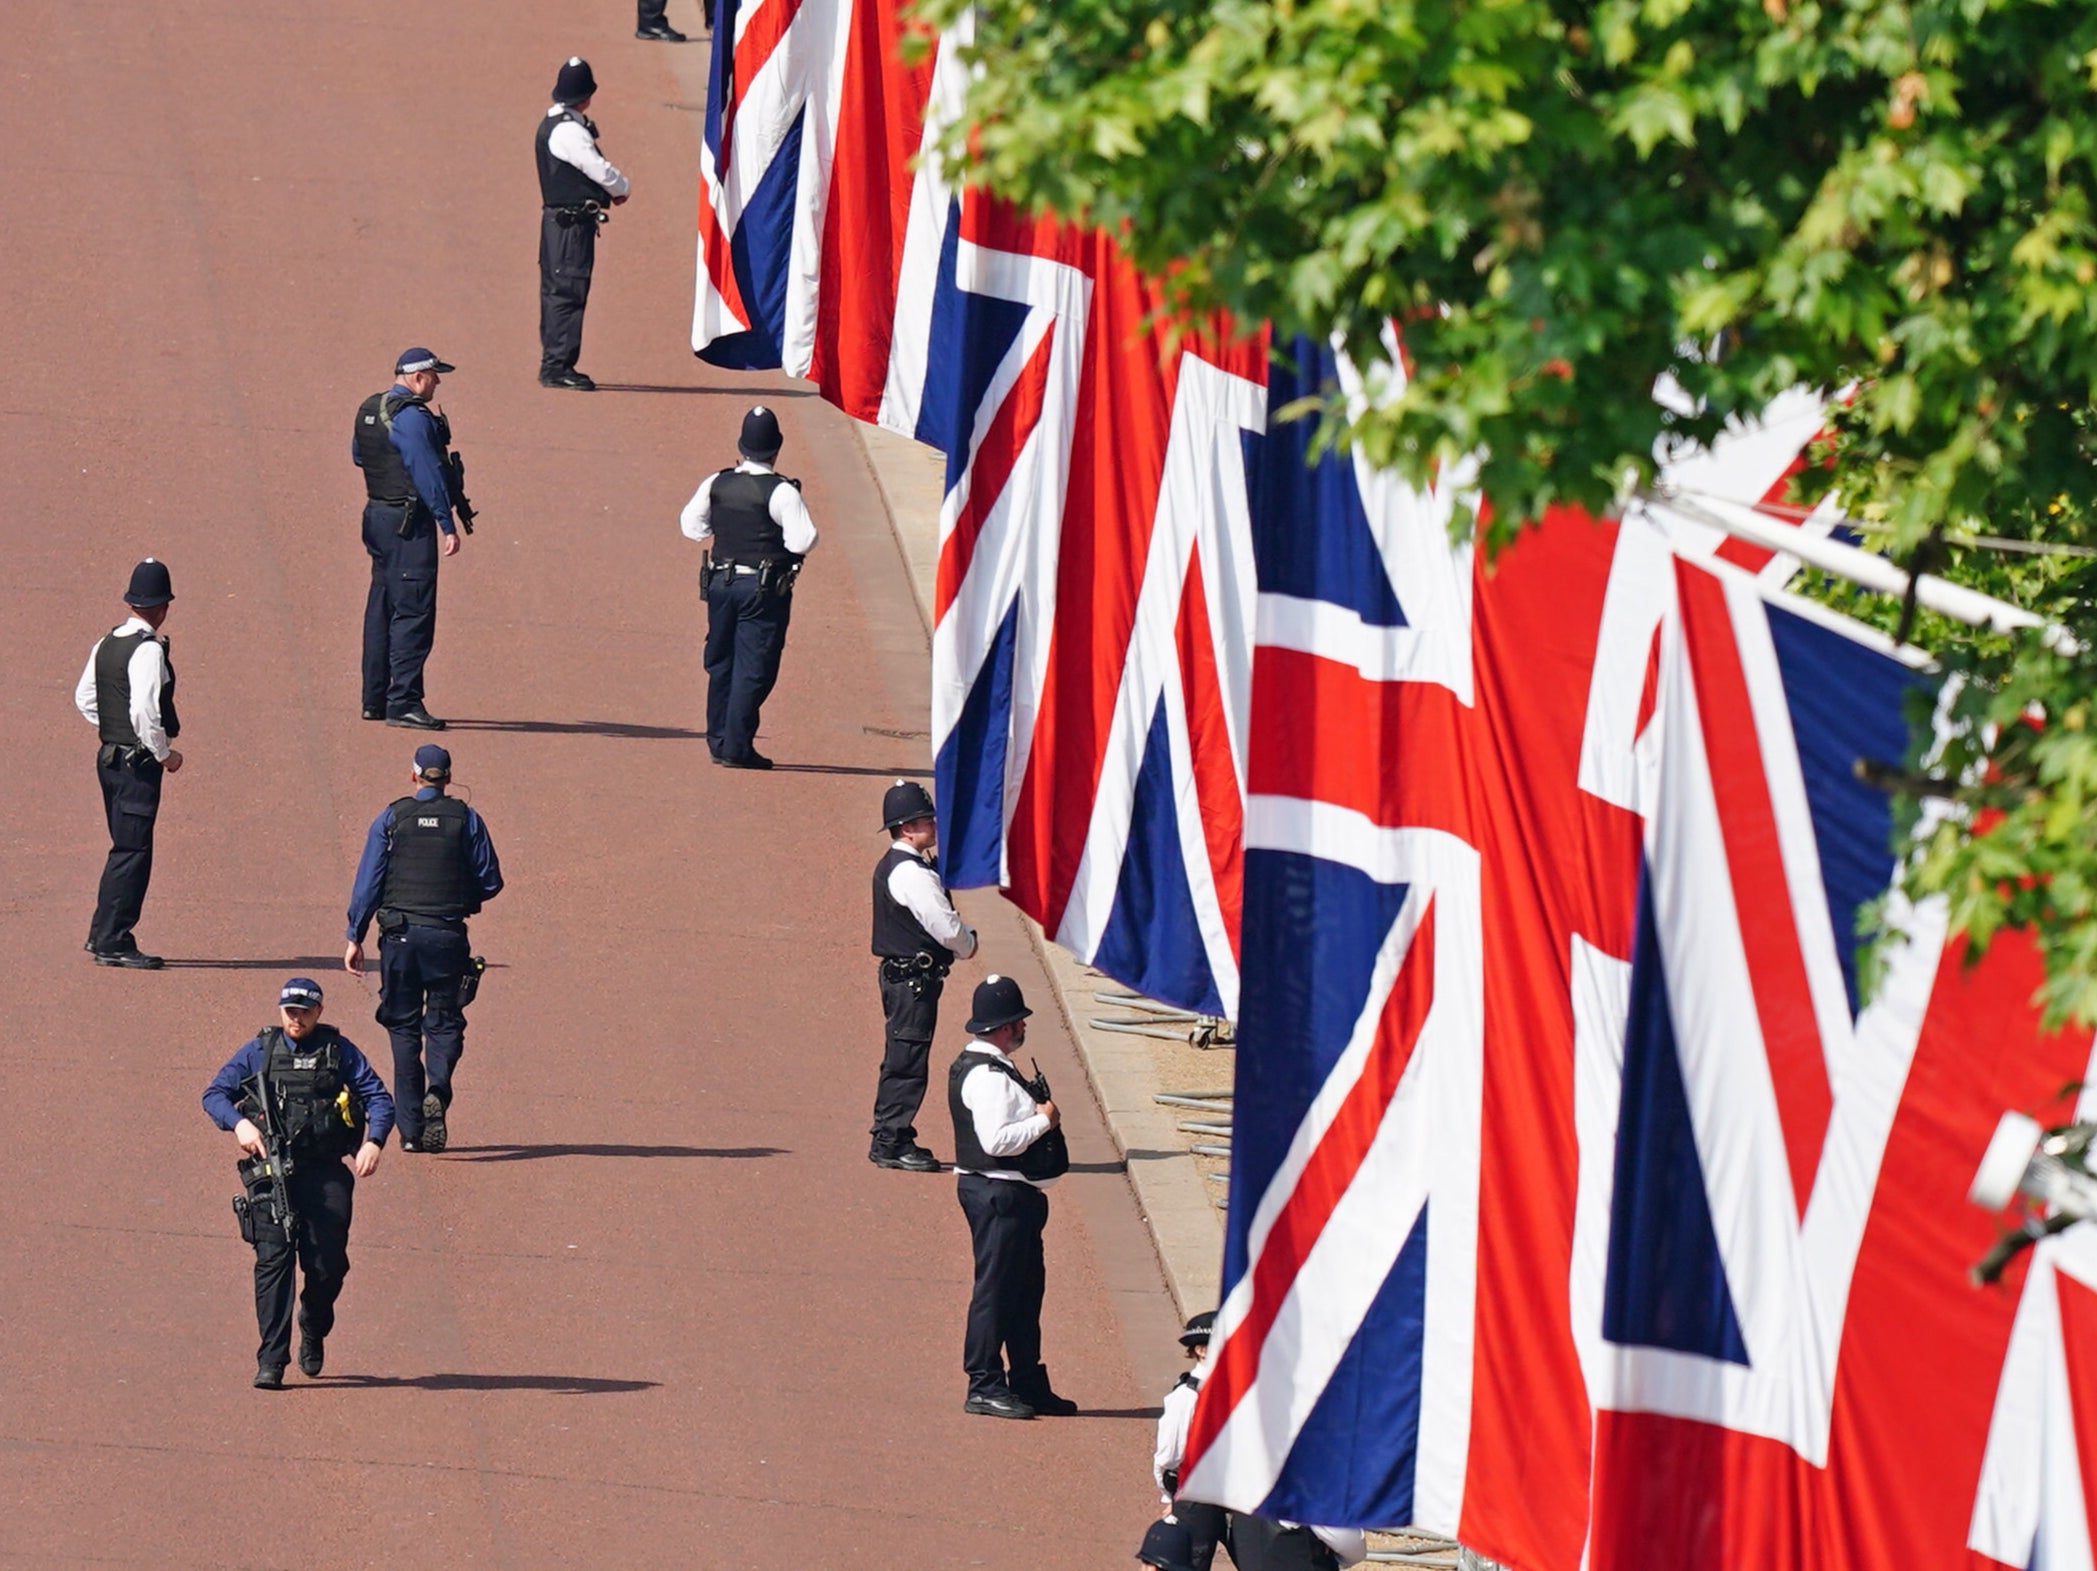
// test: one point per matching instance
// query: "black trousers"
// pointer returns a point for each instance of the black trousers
(419, 973)
(745, 639)
(1002, 1346)
(913, 1020)
(650, 14)
(321, 1193)
(1206, 1525)
(400, 612)
(1257, 1544)
(567, 256)
(131, 802)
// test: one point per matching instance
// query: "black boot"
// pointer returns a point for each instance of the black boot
(1032, 1387)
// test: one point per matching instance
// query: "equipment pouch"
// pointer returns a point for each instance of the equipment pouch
(706, 577)
(250, 1225)
(470, 982)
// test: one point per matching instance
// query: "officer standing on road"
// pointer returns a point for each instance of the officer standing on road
(918, 936)
(1006, 1158)
(325, 1103)
(757, 530)
(127, 693)
(428, 865)
(576, 186)
(1205, 1524)
(403, 445)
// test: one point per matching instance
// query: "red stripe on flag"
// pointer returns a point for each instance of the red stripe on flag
(1208, 741)
(2079, 1350)
(996, 457)
(715, 247)
(768, 25)
(1761, 895)
(1325, 1179)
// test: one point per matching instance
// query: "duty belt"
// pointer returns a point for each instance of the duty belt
(396, 920)
(910, 968)
(119, 753)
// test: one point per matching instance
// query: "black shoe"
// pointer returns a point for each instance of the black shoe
(372, 712)
(1035, 1391)
(750, 760)
(433, 1130)
(311, 1357)
(270, 1377)
(574, 381)
(662, 34)
(412, 1147)
(996, 1404)
(912, 1158)
(416, 719)
(129, 959)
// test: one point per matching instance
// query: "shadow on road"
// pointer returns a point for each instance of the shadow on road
(583, 728)
(291, 963)
(565, 1385)
(1121, 1412)
(851, 769)
(512, 1153)
(717, 392)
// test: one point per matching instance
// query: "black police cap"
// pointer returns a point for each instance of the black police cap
(1199, 1329)
(150, 586)
(760, 439)
(1168, 1546)
(997, 1003)
(905, 801)
(575, 83)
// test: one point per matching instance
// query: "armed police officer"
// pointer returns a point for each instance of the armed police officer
(1008, 1148)
(297, 1099)
(127, 693)
(576, 189)
(428, 865)
(918, 936)
(402, 443)
(757, 531)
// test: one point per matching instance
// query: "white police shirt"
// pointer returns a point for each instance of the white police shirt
(147, 670)
(571, 144)
(1173, 1422)
(788, 511)
(917, 889)
(1005, 1117)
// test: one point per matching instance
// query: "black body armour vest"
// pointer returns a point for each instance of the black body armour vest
(744, 529)
(322, 1117)
(113, 691)
(897, 931)
(427, 872)
(386, 477)
(1048, 1157)
(561, 184)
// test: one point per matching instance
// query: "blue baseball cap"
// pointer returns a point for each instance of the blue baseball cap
(419, 359)
(430, 759)
(301, 992)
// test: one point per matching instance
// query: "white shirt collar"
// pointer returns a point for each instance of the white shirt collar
(751, 466)
(983, 1044)
(135, 624)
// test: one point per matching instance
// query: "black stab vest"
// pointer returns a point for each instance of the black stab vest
(386, 477)
(427, 871)
(561, 184)
(741, 515)
(897, 931)
(321, 1116)
(1048, 1157)
(113, 690)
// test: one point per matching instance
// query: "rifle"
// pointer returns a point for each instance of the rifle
(455, 477)
(267, 1178)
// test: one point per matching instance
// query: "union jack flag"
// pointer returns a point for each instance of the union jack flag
(1579, 1209)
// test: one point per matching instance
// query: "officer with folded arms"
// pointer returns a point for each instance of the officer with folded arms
(127, 693)
(757, 529)
(918, 936)
(323, 1101)
(402, 442)
(1008, 1148)
(428, 865)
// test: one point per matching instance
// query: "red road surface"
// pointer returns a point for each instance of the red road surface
(655, 1308)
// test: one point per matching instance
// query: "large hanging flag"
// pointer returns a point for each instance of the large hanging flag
(1581, 1207)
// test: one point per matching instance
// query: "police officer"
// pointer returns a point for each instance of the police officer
(428, 865)
(576, 185)
(1204, 1524)
(757, 530)
(1257, 1543)
(325, 1103)
(403, 444)
(918, 936)
(127, 693)
(1006, 1159)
